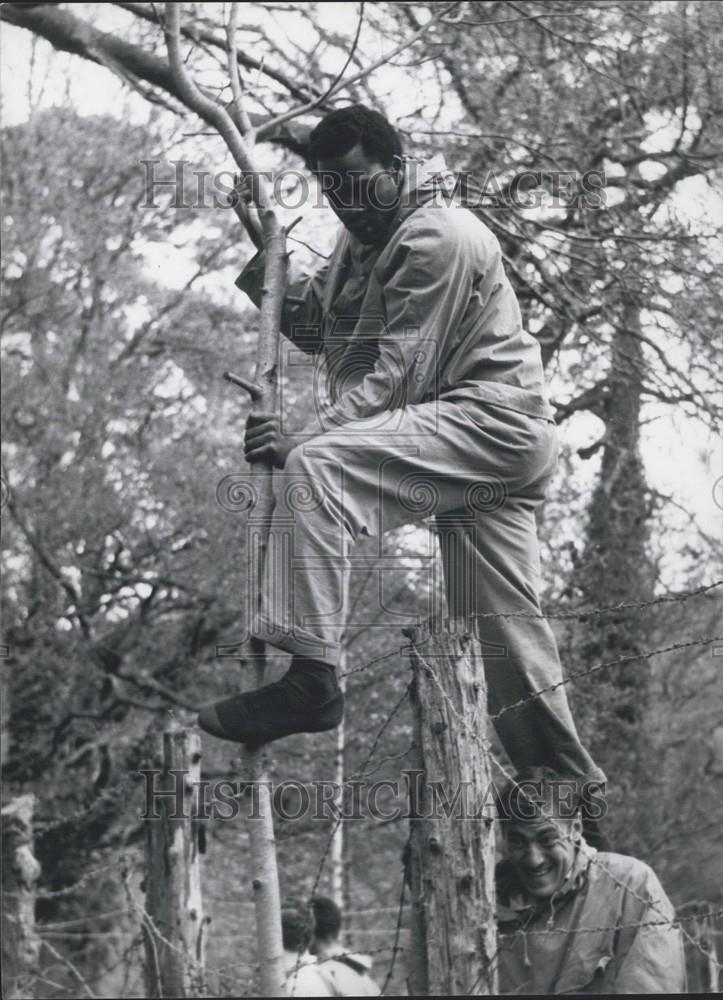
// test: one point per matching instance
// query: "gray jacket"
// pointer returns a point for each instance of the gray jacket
(611, 930)
(429, 314)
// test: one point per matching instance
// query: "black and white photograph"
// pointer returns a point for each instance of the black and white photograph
(362, 498)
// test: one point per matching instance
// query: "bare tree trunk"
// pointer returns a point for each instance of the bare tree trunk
(337, 842)
(711, 947)
(174, 925)
(20, 871)
(451, 842)
(263, 391)
(265, 882)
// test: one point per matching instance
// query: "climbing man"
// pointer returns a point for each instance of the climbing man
(572, 919)
(434, 390)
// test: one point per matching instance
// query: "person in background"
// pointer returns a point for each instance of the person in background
(303, 977)
(346, 972)
(572, 919)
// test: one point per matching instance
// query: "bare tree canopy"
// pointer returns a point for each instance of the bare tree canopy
(587, 137)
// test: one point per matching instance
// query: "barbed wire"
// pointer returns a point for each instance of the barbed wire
(610, 609)
(82, 920)
(68, 890)
(667, 922)
(628, 658)
(42, 829)
(579, 613)
(82, 882)
(654, 906)
(397, 935)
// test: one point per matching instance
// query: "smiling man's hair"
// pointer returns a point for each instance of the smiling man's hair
(538, 793)
(343, 129)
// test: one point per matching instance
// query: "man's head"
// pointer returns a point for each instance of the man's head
(357, 157)
(327, 921)
(541, 828)
(296, 927)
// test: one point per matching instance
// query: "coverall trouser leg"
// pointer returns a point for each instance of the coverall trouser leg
(481, 470)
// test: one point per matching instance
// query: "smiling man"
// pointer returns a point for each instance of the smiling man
(572, 919)
(434, 405)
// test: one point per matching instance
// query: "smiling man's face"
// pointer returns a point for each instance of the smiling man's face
(362, 192)
(542, 851)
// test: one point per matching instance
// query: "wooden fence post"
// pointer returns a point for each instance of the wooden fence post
(451, 840)
(20, 871)
(173, 927)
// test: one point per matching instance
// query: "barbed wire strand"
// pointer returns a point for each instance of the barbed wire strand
(580, 613)
(602, 610)
(628, 658)
(397, 933)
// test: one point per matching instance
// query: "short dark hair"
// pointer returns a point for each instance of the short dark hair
(327, 917)
(344, 128)
(296, 926)
(537, 792)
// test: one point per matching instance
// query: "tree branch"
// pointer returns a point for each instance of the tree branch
(129, 62)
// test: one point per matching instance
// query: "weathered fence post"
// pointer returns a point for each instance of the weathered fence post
(173, 927)
(20, 871)
(451, 841)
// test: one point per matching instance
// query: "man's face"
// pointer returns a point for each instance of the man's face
(362, 193)
(542, 851)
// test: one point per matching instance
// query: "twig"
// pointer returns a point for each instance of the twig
(270, 126)
(73, 969)
(233, 72)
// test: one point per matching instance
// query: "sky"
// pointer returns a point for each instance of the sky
(683, 459)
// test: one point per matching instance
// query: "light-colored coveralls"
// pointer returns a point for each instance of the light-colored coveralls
(437, 407)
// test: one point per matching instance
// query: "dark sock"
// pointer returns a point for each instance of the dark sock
(312, 679)
(306, 699)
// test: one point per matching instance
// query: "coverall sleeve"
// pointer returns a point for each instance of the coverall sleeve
(650, 958)
(425, 284)
(301, 314)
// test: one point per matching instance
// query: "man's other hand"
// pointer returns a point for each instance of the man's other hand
(264, 441)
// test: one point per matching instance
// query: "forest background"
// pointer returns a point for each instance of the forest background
(123, 540)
